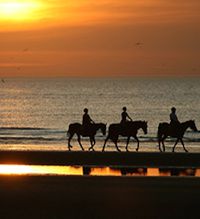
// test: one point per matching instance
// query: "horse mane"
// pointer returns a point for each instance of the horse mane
(139, 121)
(188, 121)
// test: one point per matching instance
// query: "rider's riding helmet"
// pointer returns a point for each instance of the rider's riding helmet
(173, 109)
(124, 108)
(85, 110)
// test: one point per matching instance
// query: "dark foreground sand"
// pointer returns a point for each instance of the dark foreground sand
(57, 197)
(61, 197)
(132, 159)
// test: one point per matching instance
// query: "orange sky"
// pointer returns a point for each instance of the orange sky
(99, 38)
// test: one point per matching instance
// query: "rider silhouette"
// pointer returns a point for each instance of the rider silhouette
(125, 115)
(174, 122)
(87, 121)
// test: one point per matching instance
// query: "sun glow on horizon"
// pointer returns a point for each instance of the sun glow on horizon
(19, 10)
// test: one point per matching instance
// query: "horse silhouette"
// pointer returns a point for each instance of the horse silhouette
(165, 130)
(130, 129)
(77, 128)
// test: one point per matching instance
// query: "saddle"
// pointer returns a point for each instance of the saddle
(174, 127)
(86, 130)
(124, 128)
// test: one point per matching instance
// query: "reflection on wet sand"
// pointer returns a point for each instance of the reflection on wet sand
(133, 171)
(128, 171)
(96, 171)
(39, 170)
(178, 171)
(144, 171)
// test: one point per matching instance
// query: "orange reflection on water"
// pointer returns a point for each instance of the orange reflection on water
(39, 170)
(188, 172)
(165, 172)
(106, 171)
(93, 171)
(197, 172)
(153, 172)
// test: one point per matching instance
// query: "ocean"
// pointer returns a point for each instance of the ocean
(35, 112)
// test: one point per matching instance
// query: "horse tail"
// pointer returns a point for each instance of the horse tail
(69, 131)
(73, 128)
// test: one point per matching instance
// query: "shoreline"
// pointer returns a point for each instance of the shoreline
(192, 147)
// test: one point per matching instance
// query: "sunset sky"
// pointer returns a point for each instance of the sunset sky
(99, 38)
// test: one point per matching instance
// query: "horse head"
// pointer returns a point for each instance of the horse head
(192, 125)
(144, 127)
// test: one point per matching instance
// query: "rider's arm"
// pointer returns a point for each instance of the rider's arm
(129, 117)
(91, 120)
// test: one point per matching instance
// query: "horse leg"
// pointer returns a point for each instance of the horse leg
(79, 141)
(105, 143)
(138, 143)
(92, 142)
(91, 148)
(69, 140)
(175, 144)
(163, 145)
(183, 145)
(115, 142)
(127, 142)
(115, 139)
(159, 143)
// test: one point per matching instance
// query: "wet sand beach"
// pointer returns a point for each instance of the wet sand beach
(99, 197)
(60, 197)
